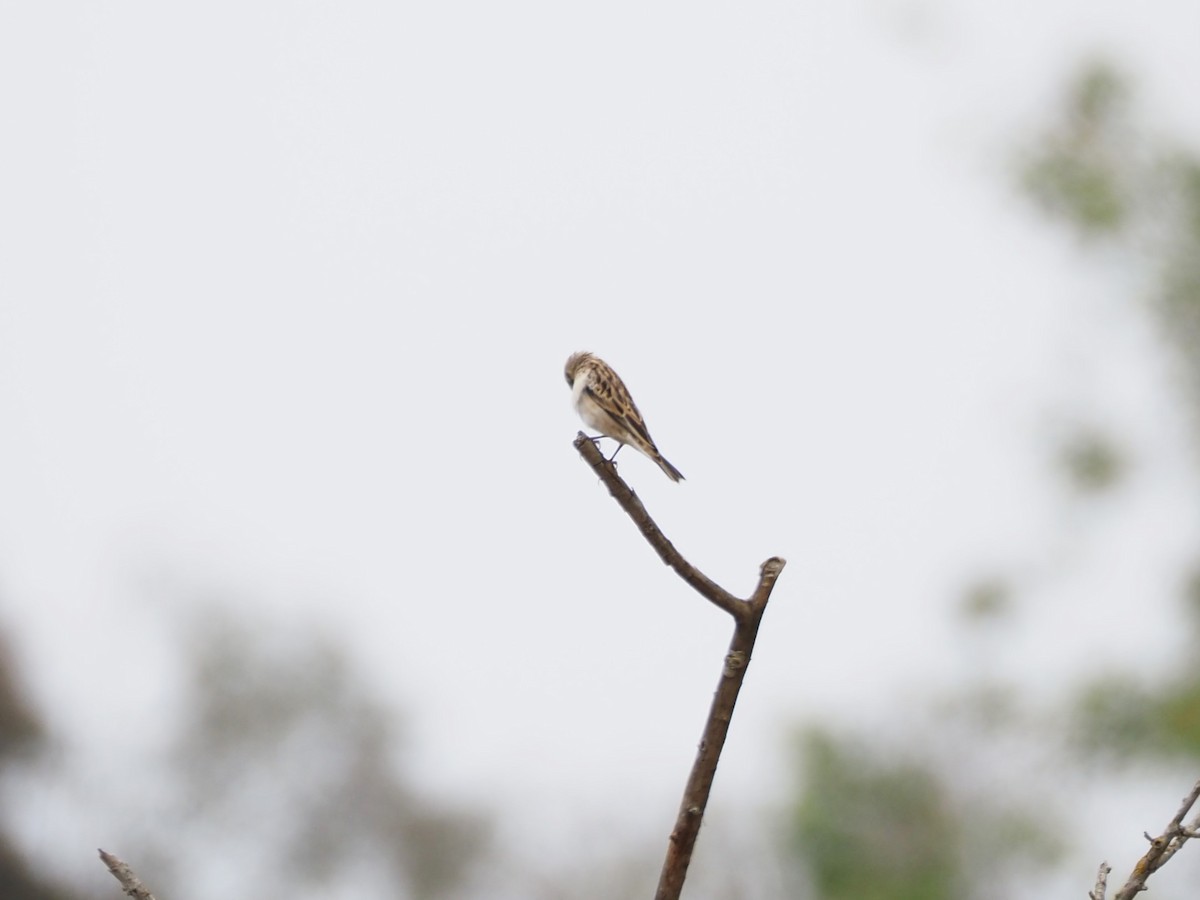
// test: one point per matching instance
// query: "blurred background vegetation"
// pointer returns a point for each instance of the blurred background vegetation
(284, 765)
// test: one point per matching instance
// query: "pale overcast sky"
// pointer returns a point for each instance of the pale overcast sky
(286, 291)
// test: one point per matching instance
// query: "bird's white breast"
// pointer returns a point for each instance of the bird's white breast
(591, 413)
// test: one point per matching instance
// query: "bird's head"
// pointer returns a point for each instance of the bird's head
(574, 363)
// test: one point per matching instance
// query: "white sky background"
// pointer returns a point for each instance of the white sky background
(285, 294)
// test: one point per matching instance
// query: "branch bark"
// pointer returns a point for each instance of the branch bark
(1162, 848)
(130, 883)
(747, 615)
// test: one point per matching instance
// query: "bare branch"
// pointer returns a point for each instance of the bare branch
(747, 615)
(1097, 893)
(629, 501)
(130, 883)
(1162, 848)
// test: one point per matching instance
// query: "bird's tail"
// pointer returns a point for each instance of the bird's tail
(673, 473)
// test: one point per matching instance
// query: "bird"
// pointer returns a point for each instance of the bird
(603, 402)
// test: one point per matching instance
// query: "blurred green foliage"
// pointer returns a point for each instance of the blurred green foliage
(988, 599)
(22, 737)
(869, 829)
(1176, 228)
(1117, 719)
(1101, 172)
(874, 822)
(1091, 461)
(283, 767)
(279, 715)
(1077, 169)
(21, 731)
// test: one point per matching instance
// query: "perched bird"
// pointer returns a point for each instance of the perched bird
(603, 402)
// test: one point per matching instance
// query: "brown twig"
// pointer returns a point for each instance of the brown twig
(130, 883)
(747, 614)
(1097, 893)
(1162, 848)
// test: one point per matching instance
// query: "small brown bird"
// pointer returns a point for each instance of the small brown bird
(603, 402)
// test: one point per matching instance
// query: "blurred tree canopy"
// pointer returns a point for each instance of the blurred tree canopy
(1103, 174)
(1102, 171)
(21, 737)
(282, 746)
(285, 779)
(874, 829)
(876, 820)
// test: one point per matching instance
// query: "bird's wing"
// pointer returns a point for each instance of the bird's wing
(613, 397)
